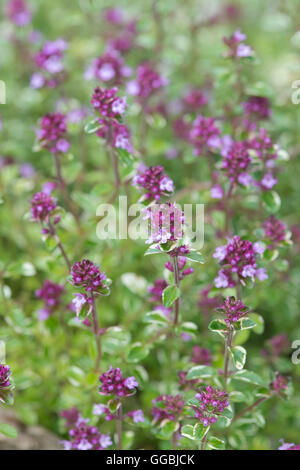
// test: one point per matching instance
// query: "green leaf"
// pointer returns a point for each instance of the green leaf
(239, 355)
(126, 158)
(167, 429)
(188, 431)
(152, 250)
(189, 328)
(218, 325)
(92, 126)
(258, 319)
(271, 201)
(198, 372)
(215, 443)
(248, 376)
(155, 317)
(8, 430)
(247, 323)
(199, 431)
(170, 294)
(238, 397)
(195, 256)
(137, 352)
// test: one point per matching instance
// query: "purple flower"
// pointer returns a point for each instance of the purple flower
(154, 182)
(18, 12)
(279, 385)
(82, 436)
(201, 356)
(113, 383)
(181, 265)
(268, 181)
(238, 259)
(257, 107)
(42, 207)
(213, 402)
(169, 407)
(157, 289)
(236, 163)
(110, 67)
(50, 293)
(236, 47)
(87, 275)
(194, 100)
(275, 230)
(49, 60)
(71, 416)
(288, 446)
(204, 135)
(5, 384)
(217, 192)
(52, 133)
(147, 82)
(114, 15)
(137, 416)
(233, 310)
(166, 223)
(107, 103)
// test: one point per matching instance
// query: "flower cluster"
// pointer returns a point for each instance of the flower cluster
(233, 309)
(257, 107)
(167, 407)
(87, 275)
(110, 67)
(147, 82)
(50, 293)
(275, 230)
(154, 182)
(181, 267)
(113, 383)
(194, 100)
(204, 135)
(288, 446)
(236, 162)
(5, 384)
(107, 103)
(83, 436)
(237, 49)
(42, 207)
(52, 133)
(213, 402)
(279, 385)
(166, 223)
(201, 356)
(18, 12)
(238, 259)
(49, 60)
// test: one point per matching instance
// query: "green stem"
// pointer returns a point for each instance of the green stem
(177, 283)
(96, 334)
(119, 427)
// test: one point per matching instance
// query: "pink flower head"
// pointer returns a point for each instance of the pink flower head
(212, 403)
(157, 289)
(238, 259)
(18, 12)
(204, 135)
(154, 182)
(257, 107)
(147, 82)
(233, 310)
(166, 223)
(107, 103)
(275, 230)
(113, 383)
(201, 356)
(236, 47)
(109, 68)
(236, 163)
(169, 407)
(82, 436)
(137, 416)
(42, 207)
(194, 100)
(279, 385)
(52, 133)
(50, 293)
(87, 275)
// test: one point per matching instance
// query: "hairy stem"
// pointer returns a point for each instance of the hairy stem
(59, 244)
(250, 408)
(63, 188)
(119, 427)
(96, 334)
(177, 283)
(227, 356)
